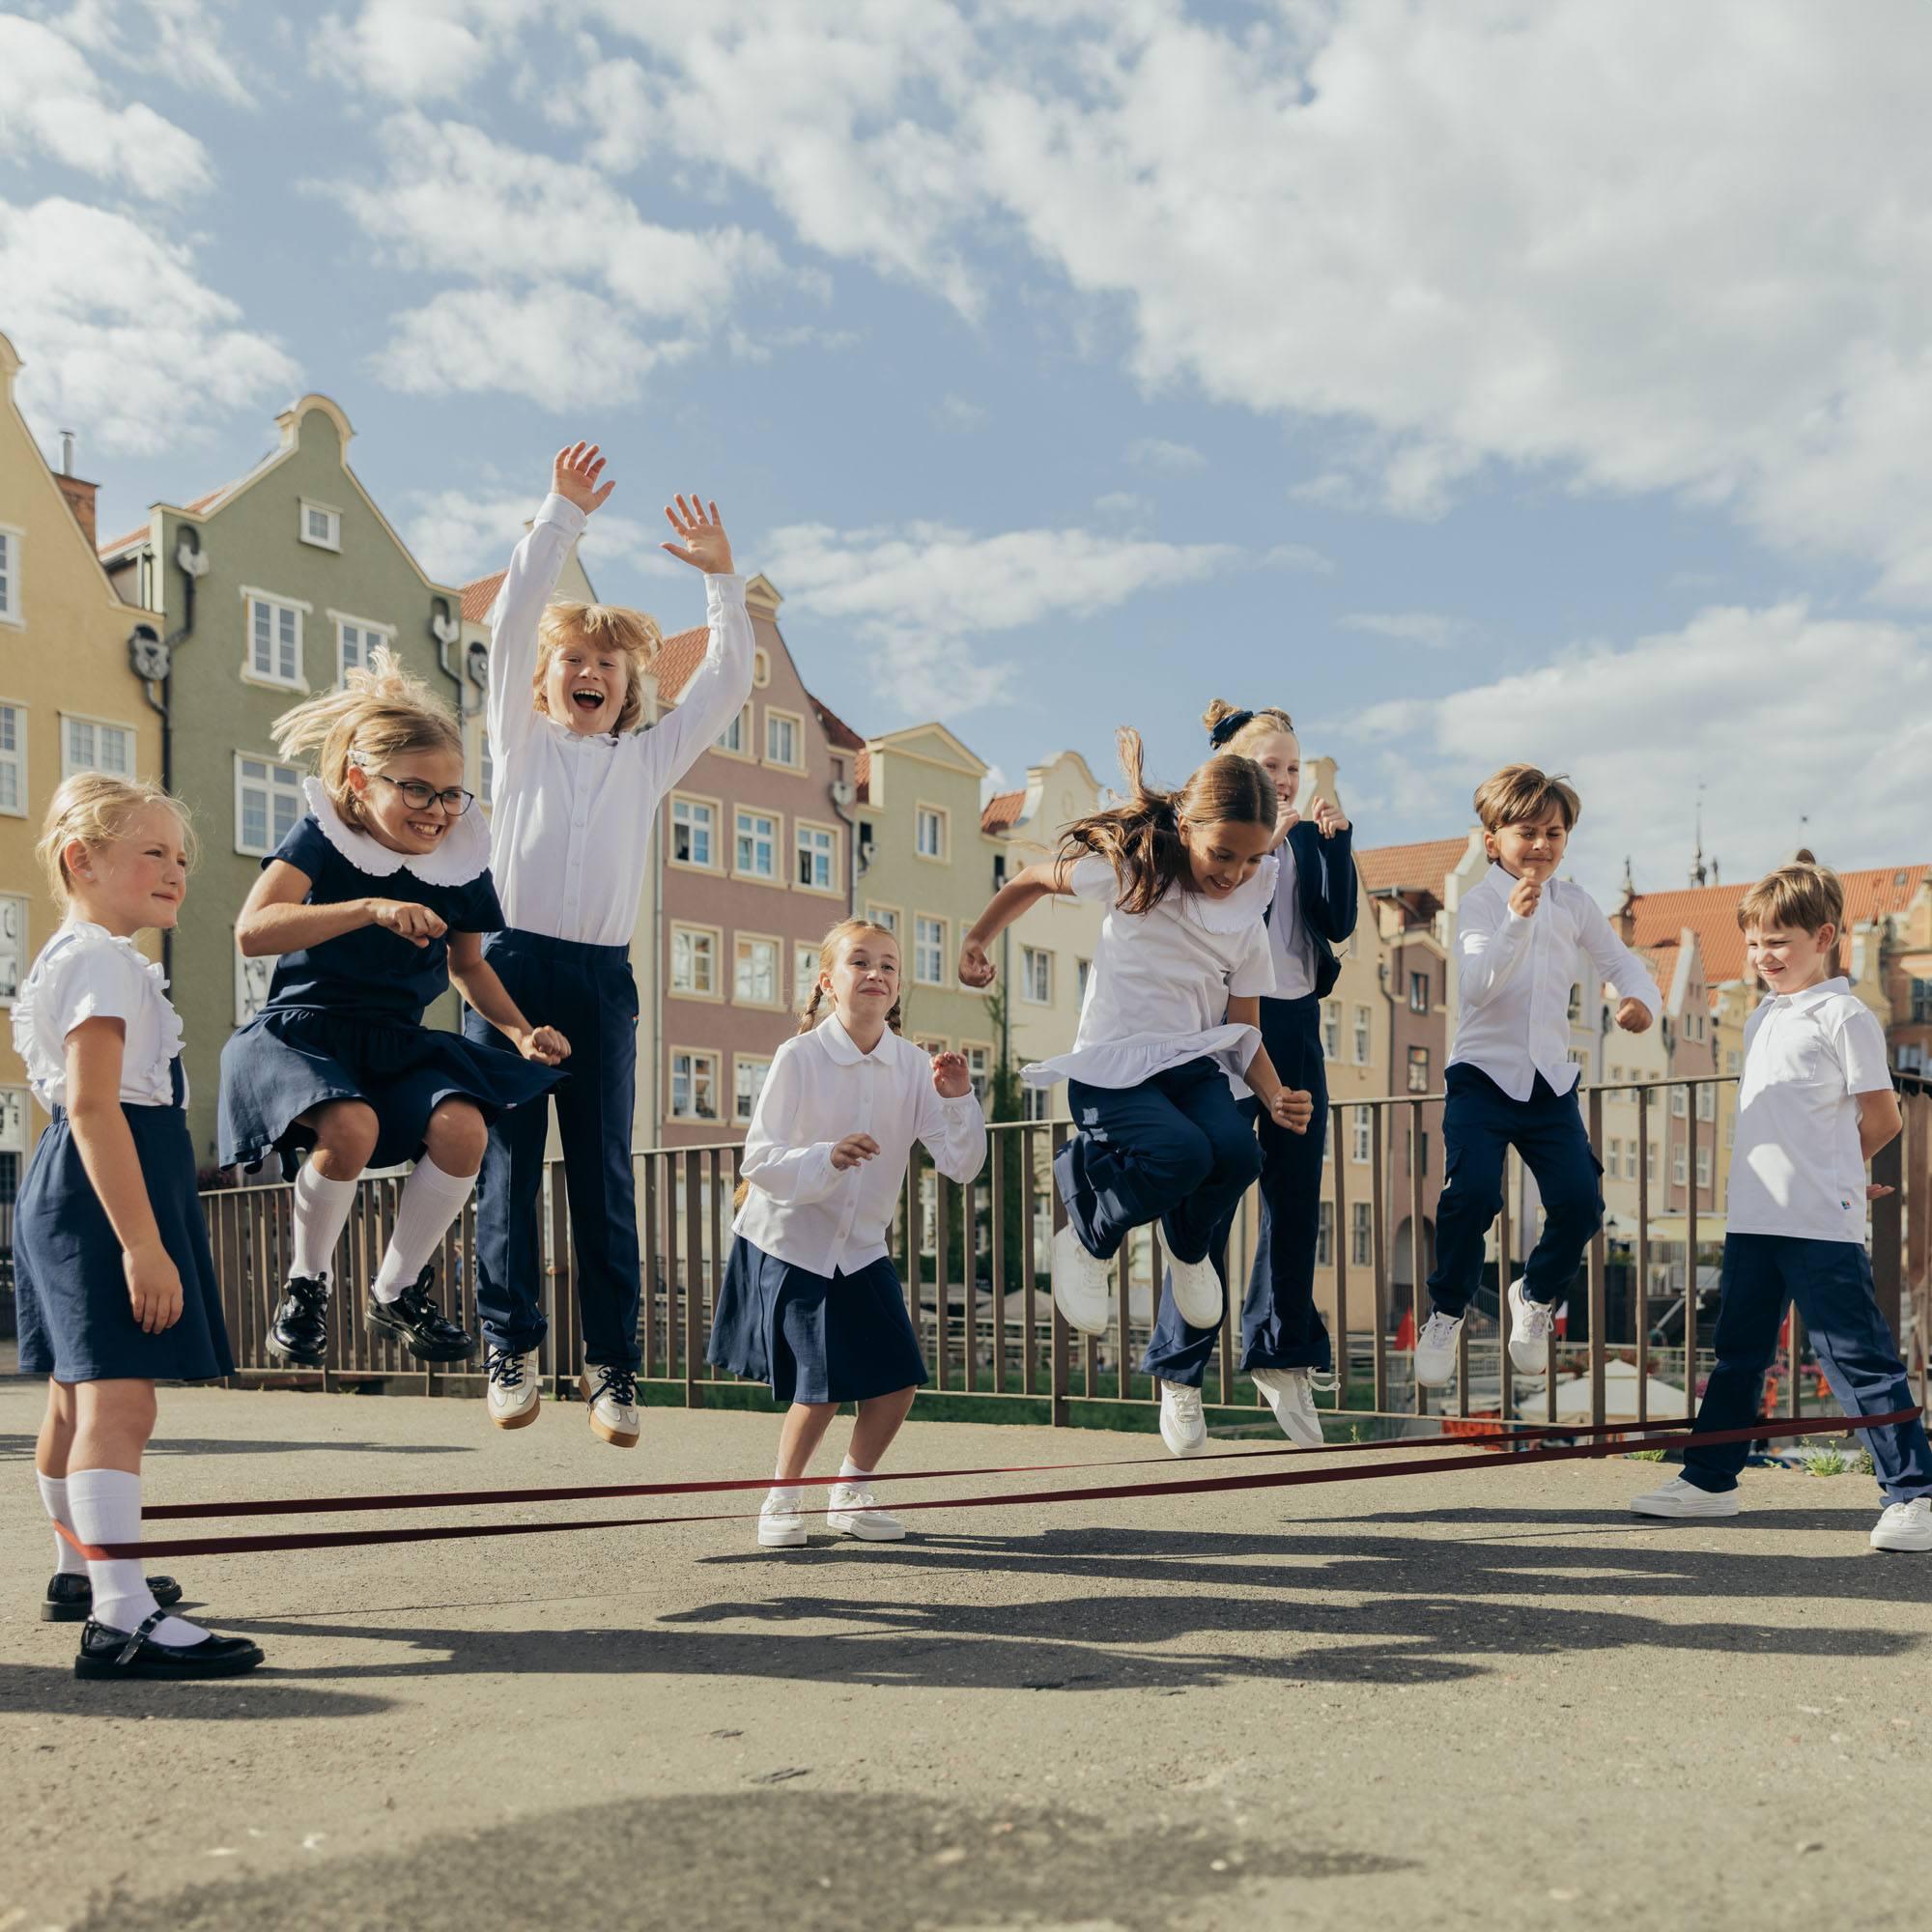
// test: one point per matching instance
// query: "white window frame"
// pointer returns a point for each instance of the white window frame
(14, 541)
(774, 715)
(1362, 1043)
(890, 916)
(716, 806)
(332, 533)
(714, 938)
(761, 667)
(741, 812)
(1325, 1233)
(804, 973)
(270, 786)
(14, 908)
(1331, 1028)
(69, 764)
(801, 829)
(943, 819)
(377, 636)
(1361, 1235)
(1707, 1103)
(696, 1057)
(15, 761)
(14, 1117)
(1361, 1137)
(978, 1055)
(1083, 973)
(1703, 1167)
(739, 1063)
(742, 725)
(1680, 1166)
(741, 943)
(253, 598)
(919, 978)
(1032, 957)
(1678, 1106)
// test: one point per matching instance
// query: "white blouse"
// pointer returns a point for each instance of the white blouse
(84, 972)
(570, 815)
(1158, 990)
(820, 1089)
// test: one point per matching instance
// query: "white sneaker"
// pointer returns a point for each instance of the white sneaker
(1197, 1291)
(1183, 1428)
(1904, 1526)
(1436, 1350)
(513, 1393)
(1531, 1326)
(850, 1508)
(610, 1400)
(1680, 1498)
(1286, 1392)
(780, 1524)
(1081, 1291)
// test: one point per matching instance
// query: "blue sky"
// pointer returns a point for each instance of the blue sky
(1481, 383)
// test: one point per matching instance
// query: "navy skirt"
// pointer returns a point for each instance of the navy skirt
(289, 1059)
(75, 1321)
(843, 1339)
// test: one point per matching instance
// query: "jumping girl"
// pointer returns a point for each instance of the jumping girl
(1172, 1010)
(375, 902)
(1284, 1340)
(114, 1281)
(810, 1303)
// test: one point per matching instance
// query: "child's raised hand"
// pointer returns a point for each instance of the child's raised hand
(153, 1286)
(705, 546)
(1526, 898)
(1292, 1108)
(1329, 819)
(574, 474)
(975, 965)
(1285, 819)
(544, 1044)
(1634, 1016)
(950, 1080)
(852, 1149)
(406, 920)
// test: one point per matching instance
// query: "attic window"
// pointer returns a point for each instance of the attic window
(761, 669)
(321, 526)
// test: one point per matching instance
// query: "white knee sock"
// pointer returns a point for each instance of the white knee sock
(431, 1201)
(106, 1506)
(322, 1212)
(53, 1499)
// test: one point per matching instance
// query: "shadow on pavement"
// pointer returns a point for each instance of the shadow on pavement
(265, 1694)
(21, 1448)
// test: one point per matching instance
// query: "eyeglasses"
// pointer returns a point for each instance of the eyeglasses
(419, 796)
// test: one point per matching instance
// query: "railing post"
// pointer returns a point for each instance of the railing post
(1058, 1363)
(693, 1278)
(1598, 1288)
(1338, 1248)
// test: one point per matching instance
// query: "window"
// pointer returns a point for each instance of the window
(1418, 1070)
(274, 639)
(268, 803)
(1358, 1145)
(252, 979)
(1677, 1107)
(758, 845)
(1361, 1040)
(12, 759)
(761, 667)
(1040, 1107)
(1331, 1029)
(818, 858)
(934, 1043)
(928, 950)
(1650, 1163)
(736, 737)
(1084, 971)
(10, 576)
(784, 739)
(1707, 1103)
(1576, 1008)
(1613, 1155)
(1360, 1235)
(321, 526)
(1734, 1059)
(754, 971)
(90, 745)
(1325, 1233)
(355, 642)
(1677, 1164)
(1703, 1167)
(694, 961)
(979, 1069)
(929, 833)
(13, 944)
(748, 1082)
(1036, 976)
(692, 827)
(804, 973)
(694, 1085)
(884, 916)
(1921, 1002)
(1419, 992)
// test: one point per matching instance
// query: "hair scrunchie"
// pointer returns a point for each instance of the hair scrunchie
(1235, 722)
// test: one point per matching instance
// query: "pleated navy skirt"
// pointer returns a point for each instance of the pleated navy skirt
(845, 1338)
(289, 1059)
(71, 1291)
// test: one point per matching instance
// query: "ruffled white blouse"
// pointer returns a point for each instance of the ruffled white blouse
(84, 972)
(456, 858)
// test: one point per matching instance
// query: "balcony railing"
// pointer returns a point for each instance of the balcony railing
(976, 1263)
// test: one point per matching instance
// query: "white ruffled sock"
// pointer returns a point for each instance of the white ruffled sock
(431, 1201)
(106, 1509)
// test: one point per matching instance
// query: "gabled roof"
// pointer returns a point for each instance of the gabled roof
(845, 739)
(1002, 809)
(115, 545)
(1421, 866)
(479, 596)
(678, 656)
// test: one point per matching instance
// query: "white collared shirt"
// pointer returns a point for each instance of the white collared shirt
(1514, 975)
(1797, 1168)
(820, 1089)
(1289, 941)
(85, 972)
(570, 822)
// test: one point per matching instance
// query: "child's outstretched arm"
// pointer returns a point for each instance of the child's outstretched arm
(475, 978)
(786, 1169)
(1638, 1002)
(1026, 888)
(274, 919)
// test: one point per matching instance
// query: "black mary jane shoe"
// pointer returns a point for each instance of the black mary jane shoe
(70, 1598)
(112, 1653)
(420, 1325)
(298, 1335)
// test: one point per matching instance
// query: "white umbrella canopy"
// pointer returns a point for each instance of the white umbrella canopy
(1664, 1399)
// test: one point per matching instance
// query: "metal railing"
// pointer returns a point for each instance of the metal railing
(976, 1264)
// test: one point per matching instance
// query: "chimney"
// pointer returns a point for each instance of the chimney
(67, 452)
(1624, 918)
(80, 495)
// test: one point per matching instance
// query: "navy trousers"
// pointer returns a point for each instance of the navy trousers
(1480, 1124)
(1832, 1284)
(1174, 1150)
(1281, 1327)
(588, 993)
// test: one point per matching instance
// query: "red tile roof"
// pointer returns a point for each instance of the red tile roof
(1002, 809)
(1421, 866)
(478, 597)
(678, 657)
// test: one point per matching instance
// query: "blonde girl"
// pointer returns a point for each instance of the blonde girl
(1170, 1015)
(811, 1302)
(112, 1271)
(374, 903)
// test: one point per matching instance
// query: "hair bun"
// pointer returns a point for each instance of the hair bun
(1805, 856)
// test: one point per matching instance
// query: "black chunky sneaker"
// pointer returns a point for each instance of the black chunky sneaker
(299, 1331)
(420, 1325)
(70, 1598)
(112, 1653)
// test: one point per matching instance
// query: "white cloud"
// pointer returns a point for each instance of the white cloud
(993, 783)
(1779, 712)
(120, 337)
(1156, 452)
(180, 39)
(460, 534)
(416, 49)
(54, 102)
(1434, 630)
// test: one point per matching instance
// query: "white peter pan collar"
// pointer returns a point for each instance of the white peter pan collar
(462, 854)
(84, 932)
(842, 1050)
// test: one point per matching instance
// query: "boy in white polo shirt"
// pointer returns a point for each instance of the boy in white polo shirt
(1814, 1105)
